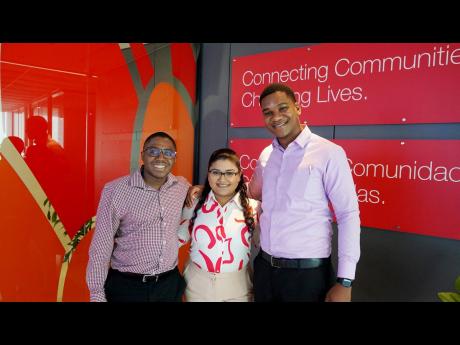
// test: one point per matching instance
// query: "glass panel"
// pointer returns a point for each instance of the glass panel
(78, 114)
(58, 117)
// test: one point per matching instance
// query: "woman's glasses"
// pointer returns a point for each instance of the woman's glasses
(228, 174)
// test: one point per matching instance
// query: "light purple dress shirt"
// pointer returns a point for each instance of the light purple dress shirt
(296, 185)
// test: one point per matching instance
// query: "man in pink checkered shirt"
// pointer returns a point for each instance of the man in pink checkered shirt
(134, 252)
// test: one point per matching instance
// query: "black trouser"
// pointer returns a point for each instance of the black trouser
(122, 288)
(291, 284)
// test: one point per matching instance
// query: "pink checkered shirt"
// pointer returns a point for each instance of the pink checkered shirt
(136, 229)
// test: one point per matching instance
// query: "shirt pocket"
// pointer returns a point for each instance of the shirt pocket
(305, 184)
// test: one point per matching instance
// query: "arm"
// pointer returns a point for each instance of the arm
(256, 234)
(341, 192)
(101, 248)
(194, 193)
(183, 231)
(255, 184)
(255, 238)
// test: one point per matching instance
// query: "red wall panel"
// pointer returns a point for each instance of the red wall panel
(343, 84)
(402, 185)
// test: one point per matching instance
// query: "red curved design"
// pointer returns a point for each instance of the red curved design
(212, 240)
(208, 261)
(211, 209)
(218, 264)
(229, 261)
(219, 238)
(221, 229)
(243, 238)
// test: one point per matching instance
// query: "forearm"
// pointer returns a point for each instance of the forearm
(98, 266)
(183, 232)
(349, 232)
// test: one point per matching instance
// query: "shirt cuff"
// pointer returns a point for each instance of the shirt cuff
(98, 297)
(346, 269)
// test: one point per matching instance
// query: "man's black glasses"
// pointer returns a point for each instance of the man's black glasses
(155, 152)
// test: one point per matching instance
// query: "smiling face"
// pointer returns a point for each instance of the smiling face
(156, 169)
(281, 116)
(223, 187)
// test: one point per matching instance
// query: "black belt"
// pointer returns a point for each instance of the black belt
(145, 277)
(293, 263)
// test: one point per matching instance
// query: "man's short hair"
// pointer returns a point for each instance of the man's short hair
(272, 88)
(160, 135)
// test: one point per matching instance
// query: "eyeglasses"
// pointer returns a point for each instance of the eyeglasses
(217, 173)
(155, 152)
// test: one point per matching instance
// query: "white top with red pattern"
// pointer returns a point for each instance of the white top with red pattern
(220, 238)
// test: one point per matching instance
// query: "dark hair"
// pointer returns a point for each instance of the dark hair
(227, 154)
(17, 142)
(36, 125)
(160, 135)
(272, 88)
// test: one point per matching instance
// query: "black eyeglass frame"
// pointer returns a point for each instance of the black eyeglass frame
(160, 151)
(223, 173)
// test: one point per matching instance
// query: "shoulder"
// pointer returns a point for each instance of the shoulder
(266, 152)
(117, 183)
(115, 189)
(327, 147)
(180, 185)
(182, 181)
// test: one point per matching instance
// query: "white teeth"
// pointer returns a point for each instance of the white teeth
(279, 125)
(160, 166)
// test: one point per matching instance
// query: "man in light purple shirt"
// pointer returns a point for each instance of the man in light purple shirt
(297, 177)
(134, 251)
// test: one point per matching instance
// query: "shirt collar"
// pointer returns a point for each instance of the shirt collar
(302, 139)
(235, 200)
(136, 180)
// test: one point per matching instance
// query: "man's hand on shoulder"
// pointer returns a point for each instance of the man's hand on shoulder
(193, 193)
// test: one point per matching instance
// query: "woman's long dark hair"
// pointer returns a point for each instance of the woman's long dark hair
(227, 154)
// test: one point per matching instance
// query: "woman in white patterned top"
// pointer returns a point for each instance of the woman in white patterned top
(222, 227)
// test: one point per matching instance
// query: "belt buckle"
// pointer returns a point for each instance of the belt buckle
(271, 262)
(144, 277)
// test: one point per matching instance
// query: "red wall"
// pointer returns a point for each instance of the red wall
(96, 111)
